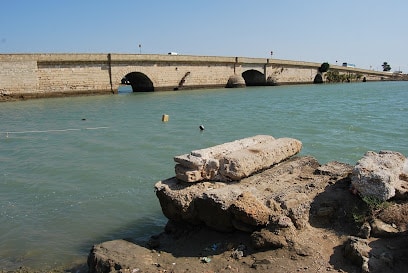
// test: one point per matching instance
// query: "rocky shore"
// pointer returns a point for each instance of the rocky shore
(253, 205)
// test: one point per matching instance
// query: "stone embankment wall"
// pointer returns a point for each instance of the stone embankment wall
(18, 74)
(81, 74)
(47, 75)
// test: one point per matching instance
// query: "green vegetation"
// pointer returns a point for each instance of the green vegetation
(386, 67)
(372, 206)
(324, 67)
(335, 76)
(359, 216)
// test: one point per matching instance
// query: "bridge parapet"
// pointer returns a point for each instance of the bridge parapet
(170, 58)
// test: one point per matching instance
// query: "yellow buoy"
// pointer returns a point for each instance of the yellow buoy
(165, 118)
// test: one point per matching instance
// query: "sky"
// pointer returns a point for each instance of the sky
(363, 32)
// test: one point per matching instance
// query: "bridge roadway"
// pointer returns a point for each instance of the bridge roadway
(49, 75)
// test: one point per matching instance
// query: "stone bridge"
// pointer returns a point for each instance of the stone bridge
(47, 75)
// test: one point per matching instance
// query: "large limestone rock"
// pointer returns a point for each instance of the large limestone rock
(235, 160)
(358, 251)
(382, 255)
(284, 191)
(381, 175)
(116, 255)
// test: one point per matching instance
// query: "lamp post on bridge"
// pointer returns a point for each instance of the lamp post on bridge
(140, 49)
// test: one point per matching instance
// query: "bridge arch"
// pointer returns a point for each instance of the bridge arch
(253, 77)
(138, 81)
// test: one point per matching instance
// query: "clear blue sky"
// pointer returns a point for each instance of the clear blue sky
(363, 32)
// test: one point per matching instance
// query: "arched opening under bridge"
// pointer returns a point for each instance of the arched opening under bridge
(254, 78)
(138, 81)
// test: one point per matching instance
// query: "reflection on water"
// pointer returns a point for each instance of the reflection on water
(125, 89)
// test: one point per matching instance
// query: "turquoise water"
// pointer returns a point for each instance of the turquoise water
(78, 171)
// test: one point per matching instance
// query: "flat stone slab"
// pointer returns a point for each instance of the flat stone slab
(244, 162)
(235, 160)
(115, 255)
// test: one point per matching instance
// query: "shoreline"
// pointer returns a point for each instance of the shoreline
(10, 97)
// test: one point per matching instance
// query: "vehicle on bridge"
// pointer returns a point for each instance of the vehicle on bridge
(349, 65)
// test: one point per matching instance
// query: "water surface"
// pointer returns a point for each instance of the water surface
(78, 171)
